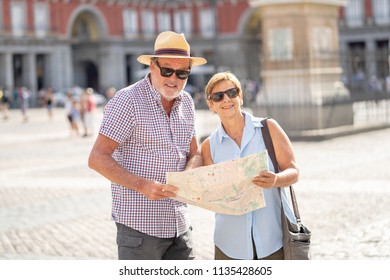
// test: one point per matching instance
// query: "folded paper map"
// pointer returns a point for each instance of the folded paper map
(225, 187)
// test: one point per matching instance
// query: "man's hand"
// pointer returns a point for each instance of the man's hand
(155, 190)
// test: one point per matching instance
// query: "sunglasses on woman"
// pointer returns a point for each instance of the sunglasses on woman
(167, 72)
(218, 96)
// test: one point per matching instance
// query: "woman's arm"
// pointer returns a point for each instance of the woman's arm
(205, 152)
(285, 157)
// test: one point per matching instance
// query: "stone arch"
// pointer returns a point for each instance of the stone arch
(87, 23)
(86, 27)
(248, 28)
(249, 22)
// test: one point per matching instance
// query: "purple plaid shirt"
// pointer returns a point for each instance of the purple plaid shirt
(151, 143)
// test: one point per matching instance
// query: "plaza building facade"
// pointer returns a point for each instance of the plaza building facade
(365, 46)
(95, 43)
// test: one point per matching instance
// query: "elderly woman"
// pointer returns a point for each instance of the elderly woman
(257, 234)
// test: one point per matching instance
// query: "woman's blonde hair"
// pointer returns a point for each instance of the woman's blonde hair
(219, 77)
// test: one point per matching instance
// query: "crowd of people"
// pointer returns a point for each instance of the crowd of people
(80, 111)
(20, 97)
(79, 106)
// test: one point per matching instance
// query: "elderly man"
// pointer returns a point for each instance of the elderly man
(148, 129)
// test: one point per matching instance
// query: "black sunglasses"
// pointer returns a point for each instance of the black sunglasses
(167, 72)
(218, 96)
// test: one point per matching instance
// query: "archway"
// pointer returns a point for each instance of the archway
(86, 29)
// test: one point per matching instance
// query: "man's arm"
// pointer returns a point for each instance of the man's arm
(101, 160)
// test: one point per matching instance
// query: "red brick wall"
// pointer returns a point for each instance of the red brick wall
(60, 12)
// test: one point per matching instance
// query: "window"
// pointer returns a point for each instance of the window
(148, 23)
(382, 58)
(183, 22)
(41, 19)
(354, 13)
(357, 62)
(322, 42)
(164, 22)
(18, 18)
(130, 23)
(381, 11)
(280, 44)
(207, 23)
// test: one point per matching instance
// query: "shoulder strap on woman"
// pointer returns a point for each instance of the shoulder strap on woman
(268, 144)
(271, 152)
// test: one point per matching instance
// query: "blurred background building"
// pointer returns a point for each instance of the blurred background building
(365, 47)
(95, 43)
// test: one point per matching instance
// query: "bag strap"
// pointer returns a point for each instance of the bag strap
(271, 152)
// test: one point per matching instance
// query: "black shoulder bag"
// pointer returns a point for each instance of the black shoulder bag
(296, 237)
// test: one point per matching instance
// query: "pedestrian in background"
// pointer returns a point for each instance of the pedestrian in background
(49, 100)
(88, 106)
(75, 117)
(148, 129)
(4, 103)
(24, 101)
(257, 234)
(72, 112)
(68, 108)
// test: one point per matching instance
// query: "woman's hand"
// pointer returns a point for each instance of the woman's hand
(265, 179)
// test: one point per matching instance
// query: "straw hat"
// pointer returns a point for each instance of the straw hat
(171, 45)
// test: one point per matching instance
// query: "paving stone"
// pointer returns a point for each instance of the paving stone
(52, 206)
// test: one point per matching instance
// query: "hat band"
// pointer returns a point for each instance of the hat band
(171, 51)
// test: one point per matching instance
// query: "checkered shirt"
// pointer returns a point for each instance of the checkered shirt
(151, 143)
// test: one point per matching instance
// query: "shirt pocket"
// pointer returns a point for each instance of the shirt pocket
(183, 134)
(153, 136)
